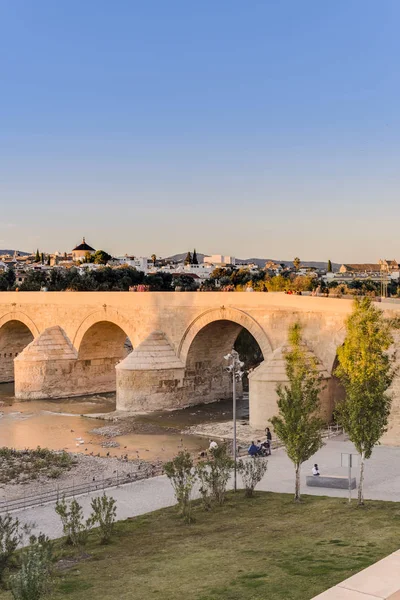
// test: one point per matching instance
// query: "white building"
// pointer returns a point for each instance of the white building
(141, 263)
(219, 260)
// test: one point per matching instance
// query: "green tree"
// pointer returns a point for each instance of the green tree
(195, 260)
(296, 263)
(182, 476)
(297, 425)
(10, 277)
(188, 259)
(278, 284)
(366, 372)
(101, 257)
(42, 258)
(154, 259)
(104, 513)
(185, 282)
(89, 257)
(37, 256)
(329, 269)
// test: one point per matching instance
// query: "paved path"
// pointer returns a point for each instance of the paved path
(382, 481)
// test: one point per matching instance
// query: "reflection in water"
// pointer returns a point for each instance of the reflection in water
(56, 424)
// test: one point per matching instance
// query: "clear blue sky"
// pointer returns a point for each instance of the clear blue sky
(257, 128)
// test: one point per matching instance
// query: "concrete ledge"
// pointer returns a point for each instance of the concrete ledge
(331, 481)
(380, 581)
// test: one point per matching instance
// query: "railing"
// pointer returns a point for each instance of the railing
(30, 500)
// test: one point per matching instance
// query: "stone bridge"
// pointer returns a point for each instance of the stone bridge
(60, 344)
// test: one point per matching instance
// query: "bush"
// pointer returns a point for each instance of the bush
(214, 475)
(75, 528)
(32, 580)
(104, 513)
(12, 534)
(252, 471)
(204, 489)
(180, 472)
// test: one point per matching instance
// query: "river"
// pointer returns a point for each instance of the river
(62, 424)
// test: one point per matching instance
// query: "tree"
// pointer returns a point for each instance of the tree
(104, 512)
(185, 282)
(42, 258)
(329, 269)
(154, 259)
(75, 528)
(188, 259)
(181, 474)
(366, 372)
(195, 260)
(101, 257)
(37, 256)
(252, 471)
(213, 475)
(12, 535)
(89, 258)
(298, 425)
(296, 263)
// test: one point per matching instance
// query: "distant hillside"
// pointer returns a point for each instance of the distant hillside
(259, 261)
(289, 263)
(181, 257)
(12, 252)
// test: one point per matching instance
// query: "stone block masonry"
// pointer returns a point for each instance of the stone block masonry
(69, 343)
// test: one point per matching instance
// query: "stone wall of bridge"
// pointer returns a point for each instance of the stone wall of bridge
(199, 329)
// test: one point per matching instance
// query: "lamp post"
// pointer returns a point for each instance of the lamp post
(235, 367)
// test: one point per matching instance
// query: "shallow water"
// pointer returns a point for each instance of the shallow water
(56, 424)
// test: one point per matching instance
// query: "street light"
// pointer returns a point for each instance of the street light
(235, 367)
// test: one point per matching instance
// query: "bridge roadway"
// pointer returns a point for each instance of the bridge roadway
(61, 344)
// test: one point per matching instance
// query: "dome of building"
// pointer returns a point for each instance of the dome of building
(84, 247)
(81, 250)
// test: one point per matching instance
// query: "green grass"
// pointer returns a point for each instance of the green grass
(249, 549)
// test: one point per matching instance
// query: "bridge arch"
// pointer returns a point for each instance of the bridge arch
(233, 315)
(205, 343)
(17, 330)
(102, 341)
(107, 315)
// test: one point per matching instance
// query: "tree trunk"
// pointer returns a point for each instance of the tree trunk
(297, 485)
(361, 482)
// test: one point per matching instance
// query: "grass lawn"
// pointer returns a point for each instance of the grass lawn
(249, 549)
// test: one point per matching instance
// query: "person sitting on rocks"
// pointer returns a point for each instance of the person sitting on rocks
(253, 450)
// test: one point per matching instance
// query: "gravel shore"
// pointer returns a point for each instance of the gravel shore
(86, 470)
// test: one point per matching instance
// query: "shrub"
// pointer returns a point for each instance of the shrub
(32, 580)
(214, 475)
(252, 471)
(12, 534)
(104, 513)
(204, 488)
(180, 472)
(75, 528)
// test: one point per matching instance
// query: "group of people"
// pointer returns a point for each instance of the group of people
(261, 448)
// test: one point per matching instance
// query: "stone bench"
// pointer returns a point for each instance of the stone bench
(340, 482)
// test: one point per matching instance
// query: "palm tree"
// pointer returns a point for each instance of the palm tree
(296, 263)
(154, 259)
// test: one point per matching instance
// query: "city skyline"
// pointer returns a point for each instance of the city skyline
(265, 131)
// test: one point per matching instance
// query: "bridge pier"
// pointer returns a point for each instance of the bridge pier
(151, 377)
(263, 381)
(44, 368)
(50, 367)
